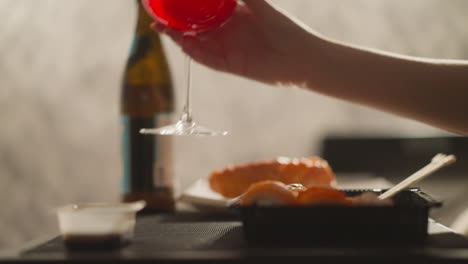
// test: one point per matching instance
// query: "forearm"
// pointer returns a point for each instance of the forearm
(431, 91)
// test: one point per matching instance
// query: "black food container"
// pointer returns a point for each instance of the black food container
(404, 222)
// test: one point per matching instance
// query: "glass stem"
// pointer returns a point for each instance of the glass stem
(187, 111)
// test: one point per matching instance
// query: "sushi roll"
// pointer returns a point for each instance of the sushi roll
(233, 181)
(268, 193)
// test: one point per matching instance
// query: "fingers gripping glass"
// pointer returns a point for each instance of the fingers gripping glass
(190, 17)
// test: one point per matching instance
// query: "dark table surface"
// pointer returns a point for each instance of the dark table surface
(218, 238)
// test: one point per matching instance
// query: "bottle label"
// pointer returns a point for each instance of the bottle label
(163, 147)
(147, 159)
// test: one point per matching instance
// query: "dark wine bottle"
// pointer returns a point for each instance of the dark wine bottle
(147, 100)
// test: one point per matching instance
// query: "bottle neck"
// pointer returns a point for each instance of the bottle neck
(144, 21)
(147, 86)
(144, 39)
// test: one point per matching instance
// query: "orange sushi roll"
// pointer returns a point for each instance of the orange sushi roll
(234, 181)
(322, 196)
(309, 172)
(270, 193)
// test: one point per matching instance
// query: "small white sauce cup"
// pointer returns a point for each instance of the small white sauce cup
(99, 219)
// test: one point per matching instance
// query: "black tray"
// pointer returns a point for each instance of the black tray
(405, 222)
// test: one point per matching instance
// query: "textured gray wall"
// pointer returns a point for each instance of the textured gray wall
(60, 68)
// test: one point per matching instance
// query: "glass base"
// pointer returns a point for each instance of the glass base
(183, 128)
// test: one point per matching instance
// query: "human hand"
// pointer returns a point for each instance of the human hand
(263, 43)
(259, 42)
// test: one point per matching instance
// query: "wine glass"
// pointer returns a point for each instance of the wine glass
(190, 17)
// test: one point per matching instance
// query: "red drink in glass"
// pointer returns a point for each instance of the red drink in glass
(191, 16)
